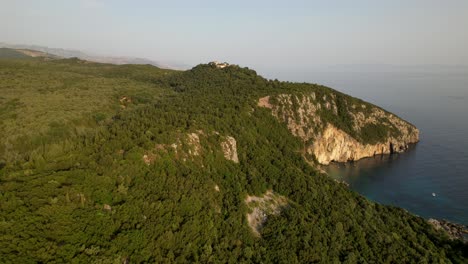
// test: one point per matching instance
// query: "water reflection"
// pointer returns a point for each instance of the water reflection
(353, 172)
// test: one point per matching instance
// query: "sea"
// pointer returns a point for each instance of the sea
(431, 178)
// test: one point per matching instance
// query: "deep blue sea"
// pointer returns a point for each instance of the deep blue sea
(435, 99)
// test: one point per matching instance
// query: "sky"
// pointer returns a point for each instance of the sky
(269, 35)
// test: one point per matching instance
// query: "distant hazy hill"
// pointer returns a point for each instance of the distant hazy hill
(11, 54)
(25, 53)
(65, 53)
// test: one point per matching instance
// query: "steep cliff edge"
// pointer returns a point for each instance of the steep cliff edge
(337, 127)
(335, 145)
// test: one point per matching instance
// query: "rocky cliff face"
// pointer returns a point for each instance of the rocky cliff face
(335, 145)
(336, 127)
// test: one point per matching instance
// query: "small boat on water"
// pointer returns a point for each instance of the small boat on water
(433, 194)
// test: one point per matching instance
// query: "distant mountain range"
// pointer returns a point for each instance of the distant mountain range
(66, 53)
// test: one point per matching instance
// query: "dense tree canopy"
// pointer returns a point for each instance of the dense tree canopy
(74, 186)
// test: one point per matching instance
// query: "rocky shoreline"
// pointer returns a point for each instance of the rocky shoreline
(454, 231)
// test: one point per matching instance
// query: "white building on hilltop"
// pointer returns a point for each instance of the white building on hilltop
(219, 64)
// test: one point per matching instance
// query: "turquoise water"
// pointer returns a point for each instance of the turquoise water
(436, 101)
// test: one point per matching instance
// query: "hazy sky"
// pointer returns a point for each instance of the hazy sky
(259, 34)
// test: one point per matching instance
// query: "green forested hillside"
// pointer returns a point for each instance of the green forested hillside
(108, 164)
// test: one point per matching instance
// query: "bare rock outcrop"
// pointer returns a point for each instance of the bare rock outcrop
(193, 147)
(229, 147)
(265, 102)
(297, 112)
(193, 141)
(186, 147)
(148, 159)
(261, 207)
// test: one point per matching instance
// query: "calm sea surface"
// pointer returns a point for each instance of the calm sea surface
(436, 101)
